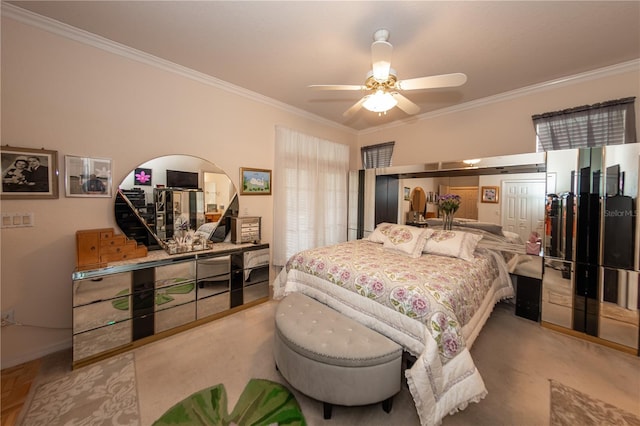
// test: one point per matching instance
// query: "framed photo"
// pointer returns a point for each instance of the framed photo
(142, 177)
(407, 193)
(28, 173)
(489, 194)
(255, 181)
(87, 177)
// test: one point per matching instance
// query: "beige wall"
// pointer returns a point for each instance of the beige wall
(68, 96)
(499, 126)
(77, 99)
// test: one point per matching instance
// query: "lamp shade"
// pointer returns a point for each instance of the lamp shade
(379, 102)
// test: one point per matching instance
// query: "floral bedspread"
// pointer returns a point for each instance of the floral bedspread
(422, 303)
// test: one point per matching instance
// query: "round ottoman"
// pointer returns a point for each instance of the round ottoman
(332, 358)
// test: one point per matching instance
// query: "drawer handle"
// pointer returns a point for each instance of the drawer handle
(96, 280)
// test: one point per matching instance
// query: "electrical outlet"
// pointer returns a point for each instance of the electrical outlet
(8, 317)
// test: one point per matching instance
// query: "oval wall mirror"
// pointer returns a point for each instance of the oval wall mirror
(165, 197)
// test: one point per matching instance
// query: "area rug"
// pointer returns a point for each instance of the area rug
(99, 394)
(570, 407)
(262, 402)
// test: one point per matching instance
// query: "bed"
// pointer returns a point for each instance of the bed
(429, 290)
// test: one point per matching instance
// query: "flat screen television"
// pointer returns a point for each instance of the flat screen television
(179, 179)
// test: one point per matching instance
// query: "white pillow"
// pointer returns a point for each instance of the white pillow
(407, 239)
(452, 243)
(380, 234)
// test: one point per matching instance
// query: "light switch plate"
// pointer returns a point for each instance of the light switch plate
(17, 220)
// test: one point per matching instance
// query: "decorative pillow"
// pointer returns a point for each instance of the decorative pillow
(407, 239)
(381, 233)
(453, 243)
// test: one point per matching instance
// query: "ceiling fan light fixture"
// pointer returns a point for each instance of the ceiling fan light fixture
(379, 102)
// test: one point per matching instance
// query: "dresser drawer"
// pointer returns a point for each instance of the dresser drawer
(90, 290)
(167, 319)
(168, 275)
(213, 305)
(100, 314)
(167, 297)
(102, 339)
(255, 292)
(214, 267)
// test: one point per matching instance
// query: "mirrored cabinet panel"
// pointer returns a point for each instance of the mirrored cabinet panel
(593, 231)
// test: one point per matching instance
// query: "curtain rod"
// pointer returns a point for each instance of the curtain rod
(573, 110)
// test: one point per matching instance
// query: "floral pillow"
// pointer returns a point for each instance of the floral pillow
(452, 243)
(381, 233)
(406, 239)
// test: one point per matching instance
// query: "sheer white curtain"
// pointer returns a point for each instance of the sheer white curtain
(310, 193)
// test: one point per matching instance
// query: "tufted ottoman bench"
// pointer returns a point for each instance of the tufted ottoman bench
(332, 358)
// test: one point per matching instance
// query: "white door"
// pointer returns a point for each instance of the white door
(523, 207)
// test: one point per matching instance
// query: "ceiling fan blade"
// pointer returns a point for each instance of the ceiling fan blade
(337, 87)
(381, 51)
(354, 108)
(433, 82)
(405, 104)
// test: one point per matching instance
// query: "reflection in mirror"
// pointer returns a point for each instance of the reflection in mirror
(518, 182)
(176, 202)
(418, 204)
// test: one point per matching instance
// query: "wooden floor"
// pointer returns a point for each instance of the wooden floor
(16, 382)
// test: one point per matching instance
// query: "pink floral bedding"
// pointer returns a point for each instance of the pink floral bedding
(433, 306)
(441, 292)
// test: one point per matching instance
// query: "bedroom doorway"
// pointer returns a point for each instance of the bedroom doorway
(523, 207)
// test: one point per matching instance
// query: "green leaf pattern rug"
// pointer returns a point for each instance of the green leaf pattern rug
(262, 403)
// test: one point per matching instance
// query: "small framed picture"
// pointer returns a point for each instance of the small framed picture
(489, 194)
(255, 181)
(407, 193)
(28, 173)
(142, 177)
(87, 177)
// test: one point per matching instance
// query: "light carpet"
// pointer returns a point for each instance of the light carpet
(101, 394)
(515, 356)
(570, 407)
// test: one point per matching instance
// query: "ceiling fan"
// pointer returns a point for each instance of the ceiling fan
(383, 85)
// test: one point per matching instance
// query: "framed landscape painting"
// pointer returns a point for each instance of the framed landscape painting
(255, 181)
(28, 173)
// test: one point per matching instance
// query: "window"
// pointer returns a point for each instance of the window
(310, 193)
(606, 123)
(374, 156)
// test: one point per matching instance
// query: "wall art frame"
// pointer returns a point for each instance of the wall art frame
(407, 194)
(490, 194)
(87, 177)
(255, 181)
(142, 177)
(28, 173)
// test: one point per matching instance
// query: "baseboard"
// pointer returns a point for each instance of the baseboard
(12, 361)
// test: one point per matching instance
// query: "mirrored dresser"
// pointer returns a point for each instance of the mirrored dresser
(130, 303)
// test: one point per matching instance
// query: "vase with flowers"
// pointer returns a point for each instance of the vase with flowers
(448, 204)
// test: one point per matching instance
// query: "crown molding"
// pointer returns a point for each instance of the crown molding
(624, 67)
(47, 24)
(64, 30)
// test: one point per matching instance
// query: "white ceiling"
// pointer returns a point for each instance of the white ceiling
(277, 49)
